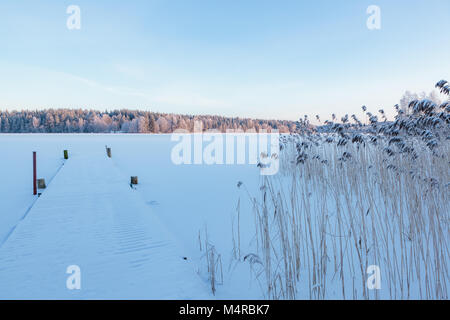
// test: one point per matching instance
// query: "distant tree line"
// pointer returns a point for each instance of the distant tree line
(128, 121)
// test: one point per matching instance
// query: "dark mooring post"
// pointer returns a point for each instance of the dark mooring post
(66, 154)
(108, 152)
(34, 174)
(41, 184)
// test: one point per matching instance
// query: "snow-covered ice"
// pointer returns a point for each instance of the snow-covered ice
(129, 244)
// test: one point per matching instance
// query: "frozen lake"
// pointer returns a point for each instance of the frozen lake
(184, 199)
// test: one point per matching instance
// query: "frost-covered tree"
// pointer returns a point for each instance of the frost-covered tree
(133, 121)
(409, 96)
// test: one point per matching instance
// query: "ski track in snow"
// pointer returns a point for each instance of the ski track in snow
(90, 217)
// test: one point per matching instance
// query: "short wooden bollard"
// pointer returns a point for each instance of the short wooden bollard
(66, 154)
(41, 184)
(134, 180)
(108, 152)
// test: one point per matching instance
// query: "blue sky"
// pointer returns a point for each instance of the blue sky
(264, 59)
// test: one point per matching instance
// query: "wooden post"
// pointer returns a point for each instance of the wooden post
(134, 180)
(108, 152)
(66, 154)
(34, 174)
(41, 184)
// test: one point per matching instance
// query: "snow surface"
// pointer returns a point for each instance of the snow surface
(129, 243)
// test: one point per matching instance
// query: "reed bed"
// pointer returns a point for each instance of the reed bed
(355, 197)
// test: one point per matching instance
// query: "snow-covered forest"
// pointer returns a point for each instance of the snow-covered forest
(136, 121)
(126, 121)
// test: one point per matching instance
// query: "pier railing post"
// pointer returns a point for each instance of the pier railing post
(34, 174)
